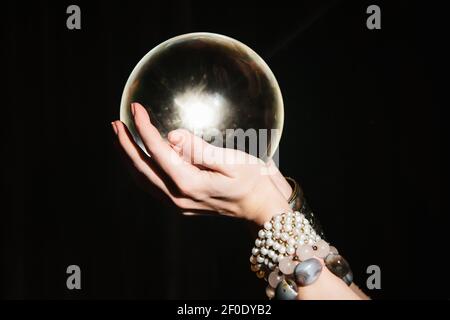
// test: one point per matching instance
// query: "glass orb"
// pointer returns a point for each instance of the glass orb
(212, 85)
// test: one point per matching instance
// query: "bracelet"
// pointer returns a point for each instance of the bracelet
(296, 198)
(297, 202)
(287, 253)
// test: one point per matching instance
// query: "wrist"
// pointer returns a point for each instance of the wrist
(290, 256)
(270, 203)
(282, 184)
(271, 209)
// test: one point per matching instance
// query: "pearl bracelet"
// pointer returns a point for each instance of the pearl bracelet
(287, 253)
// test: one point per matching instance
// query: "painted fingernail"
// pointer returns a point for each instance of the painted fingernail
(113, 124)
(133, 109)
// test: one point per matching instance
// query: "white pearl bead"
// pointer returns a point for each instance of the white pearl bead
(277, 226)
(269, 242)
(287, 228)
(257, 242)
(305, 221)
(291, 241)
(290, 250)
(259, 259)
(280, 257)
(282, 249)
(277, 234)
(284, 236)
(267, 225)
(276, 245)
(255, 251)
(271, 254)
(266, 261)
(261, 234)
(269, 234)
(263, 251)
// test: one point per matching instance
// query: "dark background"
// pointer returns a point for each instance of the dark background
(364, 114)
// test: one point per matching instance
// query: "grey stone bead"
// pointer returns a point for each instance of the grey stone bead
(286, 290)
(348, 278)
(337, 265)
(307, 272)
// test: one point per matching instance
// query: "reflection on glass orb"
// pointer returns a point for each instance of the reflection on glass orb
(211, 85)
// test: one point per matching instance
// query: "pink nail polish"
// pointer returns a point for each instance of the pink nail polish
(114, 127)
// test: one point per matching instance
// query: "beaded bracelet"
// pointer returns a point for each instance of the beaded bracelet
(287, 253)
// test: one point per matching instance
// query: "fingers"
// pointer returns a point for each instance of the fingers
(169, 161)
(137, 157)
(192, 182)
(197, 151)
(149, 170)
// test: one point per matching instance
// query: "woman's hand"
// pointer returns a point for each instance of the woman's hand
(197, 176)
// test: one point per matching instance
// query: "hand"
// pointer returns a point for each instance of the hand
(197, 176)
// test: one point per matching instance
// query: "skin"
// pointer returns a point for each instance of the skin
(198, 177)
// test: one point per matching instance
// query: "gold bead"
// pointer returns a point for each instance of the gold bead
(255, 267)
(260, 274)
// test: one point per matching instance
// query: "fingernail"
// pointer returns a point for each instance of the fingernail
(133, 110)
(114, 127)
(175, 137)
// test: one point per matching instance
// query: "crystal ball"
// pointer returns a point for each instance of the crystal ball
(212, 85)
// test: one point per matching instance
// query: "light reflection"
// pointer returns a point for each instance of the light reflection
(199, 110)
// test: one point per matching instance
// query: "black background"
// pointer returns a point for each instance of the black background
(364, 114)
